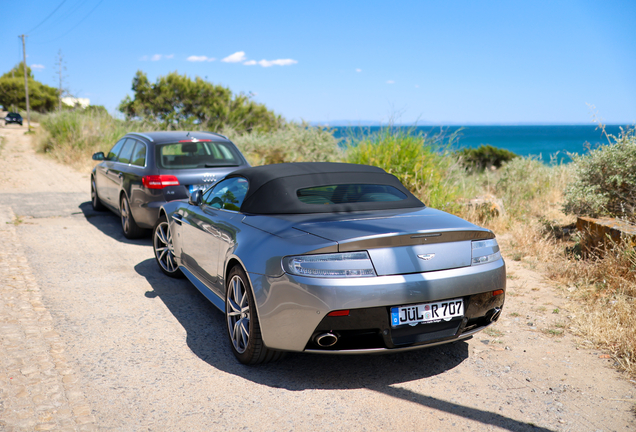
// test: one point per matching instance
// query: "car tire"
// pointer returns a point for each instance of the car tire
(163, 248)
(95, 201)
(243, 328)
(128, 224)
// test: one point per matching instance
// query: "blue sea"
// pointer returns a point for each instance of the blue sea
(550, 143)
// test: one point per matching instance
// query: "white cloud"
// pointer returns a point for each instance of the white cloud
(37, 66)
(237, 57)
(156, 57)
(390, 82)
(358, 70)
(279, 62)
(194, 58)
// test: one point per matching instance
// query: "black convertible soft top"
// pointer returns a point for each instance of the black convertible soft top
(273, 188)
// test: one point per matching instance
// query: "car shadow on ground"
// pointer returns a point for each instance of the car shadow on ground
(110, 224)
(206, 337)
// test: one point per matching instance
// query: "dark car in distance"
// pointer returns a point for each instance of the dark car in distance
(143, 171)
(13, 117)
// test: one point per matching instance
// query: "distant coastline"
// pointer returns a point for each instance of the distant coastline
(551, 143)
(356, 123)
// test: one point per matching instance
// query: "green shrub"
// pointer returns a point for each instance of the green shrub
(485, 156)
(605, 180)
(291, 143)
(525, 182)
(420, 162)
(96, 109)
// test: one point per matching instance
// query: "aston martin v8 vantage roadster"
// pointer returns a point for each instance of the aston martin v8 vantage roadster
(330, 258)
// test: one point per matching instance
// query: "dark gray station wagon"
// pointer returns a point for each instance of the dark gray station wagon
(143, 171)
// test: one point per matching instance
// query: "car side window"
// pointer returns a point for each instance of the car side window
(112, 154)
(139, 155)
(126, 152)
(228, 194)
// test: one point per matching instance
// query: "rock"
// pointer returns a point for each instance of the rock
(487, 206)
(599, 235)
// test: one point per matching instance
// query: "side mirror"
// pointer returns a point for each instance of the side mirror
(196, 198)
(99, 156)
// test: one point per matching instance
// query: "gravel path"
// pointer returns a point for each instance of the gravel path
(94, 337)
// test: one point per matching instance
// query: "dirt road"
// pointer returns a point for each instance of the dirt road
(94, 337)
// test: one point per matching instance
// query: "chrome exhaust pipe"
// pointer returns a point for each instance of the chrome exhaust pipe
(326, 340)
(495, 315)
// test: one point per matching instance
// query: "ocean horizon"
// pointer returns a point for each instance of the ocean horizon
(550, 143)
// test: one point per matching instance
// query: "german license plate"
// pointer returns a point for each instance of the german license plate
(193, 188)
(427, 312)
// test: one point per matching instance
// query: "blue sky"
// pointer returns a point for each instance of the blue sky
(440, 62)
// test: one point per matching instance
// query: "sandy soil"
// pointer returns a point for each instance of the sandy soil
(150, 353)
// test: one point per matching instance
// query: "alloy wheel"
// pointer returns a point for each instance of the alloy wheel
(164, 250)
(93, 194)
(124, 209)
(237, 310)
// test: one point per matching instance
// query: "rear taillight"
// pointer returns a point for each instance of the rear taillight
(159, 181)
(334, 265)
(485, 251)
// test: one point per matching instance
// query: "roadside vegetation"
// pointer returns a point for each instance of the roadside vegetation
(71, 137)
(531, 205)
(542, 235)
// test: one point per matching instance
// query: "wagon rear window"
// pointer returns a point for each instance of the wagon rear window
(197, 155)
(349, 193)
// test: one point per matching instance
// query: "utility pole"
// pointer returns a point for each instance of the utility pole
(60, 63)
(59, 99)
(13, 76)
(26, 83)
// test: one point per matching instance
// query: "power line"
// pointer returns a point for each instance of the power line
(76, 25)
(72, 9)
(49, 16)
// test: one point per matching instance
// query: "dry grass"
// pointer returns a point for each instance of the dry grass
(606, 288)
(603, 289)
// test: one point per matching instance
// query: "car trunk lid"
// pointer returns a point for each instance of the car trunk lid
(414, 242)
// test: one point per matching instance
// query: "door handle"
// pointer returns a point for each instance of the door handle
(177, 218)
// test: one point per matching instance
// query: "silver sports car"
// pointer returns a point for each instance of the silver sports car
(330, 258)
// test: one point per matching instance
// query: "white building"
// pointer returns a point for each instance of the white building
(71, 101)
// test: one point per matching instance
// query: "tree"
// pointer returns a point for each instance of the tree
(42, 98)
(178, 101)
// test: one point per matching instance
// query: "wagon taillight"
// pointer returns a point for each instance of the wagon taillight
(159, 181)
